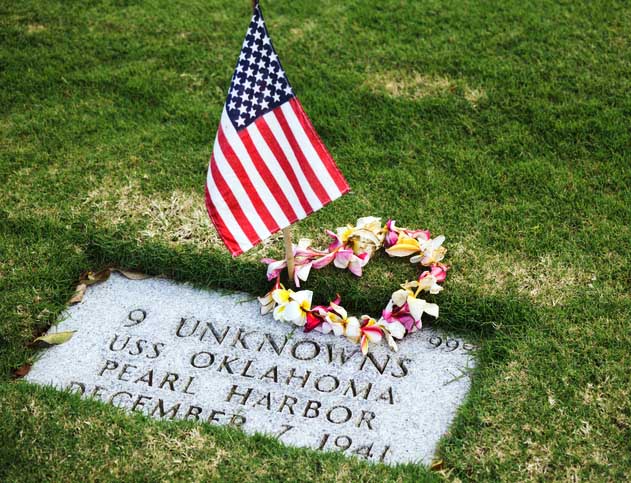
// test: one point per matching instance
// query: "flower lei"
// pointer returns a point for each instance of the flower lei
(351, 249)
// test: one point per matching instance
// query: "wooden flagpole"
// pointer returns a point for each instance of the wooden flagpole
(289, 253)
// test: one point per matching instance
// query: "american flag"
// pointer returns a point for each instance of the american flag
(268, 168)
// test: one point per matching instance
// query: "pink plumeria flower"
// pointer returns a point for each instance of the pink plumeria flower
(405, 298)
(394, 313)
(316, 319)
(347, 259)
(341, 257)
(439, 271)
(274, 267)
(420, 235)
(391, 234)
(371, 332)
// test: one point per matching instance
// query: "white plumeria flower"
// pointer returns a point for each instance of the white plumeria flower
(371, 223)
(392, 330)
(416, 307)
(432, 251)
(340, 323)
(295, 311)
(427, 282)
(292, 306)
(365, 237)
(420, 306)
(281, 297)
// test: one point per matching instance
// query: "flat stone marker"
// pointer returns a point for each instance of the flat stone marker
(173, 351)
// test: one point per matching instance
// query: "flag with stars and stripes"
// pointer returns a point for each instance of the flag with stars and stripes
(268, 167)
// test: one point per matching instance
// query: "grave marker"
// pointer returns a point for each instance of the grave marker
(173, 351)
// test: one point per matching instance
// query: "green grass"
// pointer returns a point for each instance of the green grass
(503, 126)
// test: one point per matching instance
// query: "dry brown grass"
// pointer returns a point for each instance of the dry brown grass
(542, 279)
(298, 33)
(34, 28)
(179, 218)
(417, 86)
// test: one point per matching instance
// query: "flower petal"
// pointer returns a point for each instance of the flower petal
(274, 267)
(323, 261)
(391, 343)
(301, 272)
(404, 247)
(439, 271)
(279, 312)
(417, 307)
(352, 328)
(364, 345)
(399, 297)
(396, 329)
(342, 258)
(431, 309)
(281, 296)
(302, 296)
(313, 320)
(292, 312)
(373, 333)
(341, 311)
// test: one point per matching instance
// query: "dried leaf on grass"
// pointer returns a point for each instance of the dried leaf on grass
(55, 338)
(131, 275)
(21, 371)
(78, 294)
(90, 278)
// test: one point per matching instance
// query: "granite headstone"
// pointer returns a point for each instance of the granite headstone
(174, 351)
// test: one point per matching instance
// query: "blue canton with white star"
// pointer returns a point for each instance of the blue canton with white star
(259, 83)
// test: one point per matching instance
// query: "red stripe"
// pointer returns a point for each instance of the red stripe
(250, 190)
(222, 229)
(278, 153)
(319, 146)
(268, 177)
(233, 204)
(312, 179)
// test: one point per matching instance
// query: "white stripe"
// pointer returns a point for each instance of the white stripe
(234, 185)
(277, 172)
(310, 153)
(225, 213)
(274, 126)
(259, 184)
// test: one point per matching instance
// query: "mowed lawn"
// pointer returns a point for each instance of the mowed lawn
(505, 126)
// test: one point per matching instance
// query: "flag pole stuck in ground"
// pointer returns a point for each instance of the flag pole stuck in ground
(269, 168)
(289, 252)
